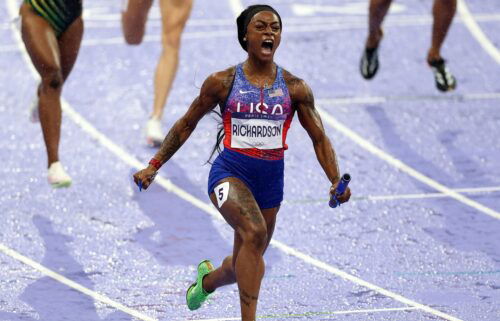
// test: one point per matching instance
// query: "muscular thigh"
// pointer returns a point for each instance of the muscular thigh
(235, 202)
(175, 14)
(228, 196)
(40, 40)
(69, 46)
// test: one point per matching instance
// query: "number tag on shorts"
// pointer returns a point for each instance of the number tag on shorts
(221, 193)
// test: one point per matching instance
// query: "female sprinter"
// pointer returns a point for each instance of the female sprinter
(52, 32)
(258, 100)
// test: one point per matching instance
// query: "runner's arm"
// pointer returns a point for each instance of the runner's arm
(182, 129)
(309, 119)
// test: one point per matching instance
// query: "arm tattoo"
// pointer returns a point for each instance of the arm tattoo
(169, 146)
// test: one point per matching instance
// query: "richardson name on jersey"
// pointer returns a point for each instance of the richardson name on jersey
(261, 131)
(255, 130)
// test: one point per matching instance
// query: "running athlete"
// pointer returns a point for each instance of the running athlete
(174, 14)
(52, 32)
(443, 12)
(258, 100)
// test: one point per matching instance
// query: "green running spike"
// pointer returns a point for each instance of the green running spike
(195, 294)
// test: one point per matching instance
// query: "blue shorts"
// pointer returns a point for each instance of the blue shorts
(264, 178)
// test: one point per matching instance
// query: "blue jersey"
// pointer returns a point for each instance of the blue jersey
(256, 120)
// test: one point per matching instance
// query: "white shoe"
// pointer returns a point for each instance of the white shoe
(57, 176)
(154, 135)
(34, 115)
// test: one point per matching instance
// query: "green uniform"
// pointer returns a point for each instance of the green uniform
(59, 13)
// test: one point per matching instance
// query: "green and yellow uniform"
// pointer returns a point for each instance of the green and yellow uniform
(59, 13)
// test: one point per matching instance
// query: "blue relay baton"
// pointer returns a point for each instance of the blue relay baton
(140, 181)
(344, 181)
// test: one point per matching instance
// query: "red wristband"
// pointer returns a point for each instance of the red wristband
(155, 163)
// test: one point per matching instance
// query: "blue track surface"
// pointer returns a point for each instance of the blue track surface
(141, 249)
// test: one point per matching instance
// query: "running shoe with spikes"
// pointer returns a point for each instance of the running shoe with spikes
(154, 134)
(369, 63)
(195, 294)
(443, 77)
(57, 176)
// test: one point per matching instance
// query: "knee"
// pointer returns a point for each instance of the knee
(380, 5)
(133, 39)
(133, 34)
(256, 236)
(448, 4)
(171, 40)
(52, 78)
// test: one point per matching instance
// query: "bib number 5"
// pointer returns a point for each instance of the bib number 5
(221, 193)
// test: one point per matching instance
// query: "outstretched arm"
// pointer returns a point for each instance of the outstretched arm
(208, 98)
(303, 100)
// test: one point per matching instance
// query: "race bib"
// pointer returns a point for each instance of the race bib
(221, 193)
(253, 130)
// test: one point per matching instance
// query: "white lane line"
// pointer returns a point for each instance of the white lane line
(367, 145)
(353, 8)
(208, 208)
(311, 314)
(292, 26)
(328, 22)
(58, 277)
(354, 279)
(154, 20)
(157, 38)
(342, 101)
(479, 190)
(476, 31)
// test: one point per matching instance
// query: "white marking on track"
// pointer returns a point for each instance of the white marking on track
(479, 190)
(357, 8)
(367, 145)
(312, 314)
(294, 25)
(342, 101)
(58, 277)
(476, 31)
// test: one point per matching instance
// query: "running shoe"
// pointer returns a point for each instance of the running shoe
(154, 134)
(33, 112)
(57, 176)
(443, 77)
(195, 294)
(369, 63)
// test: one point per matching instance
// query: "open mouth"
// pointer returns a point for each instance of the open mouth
(267, 46)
